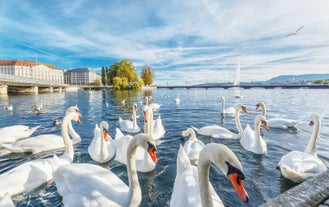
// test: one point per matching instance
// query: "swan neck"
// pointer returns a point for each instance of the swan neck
(135, 193)
(311, 146)
(204, 184)
(237, 122)
(104, 152)
(75, 136)
(134, 119)
(263, 109)
(69, 151)
(223, 106)
(257, 129)
(193, 135)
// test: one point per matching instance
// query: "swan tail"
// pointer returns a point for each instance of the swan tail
(118, 134)
(120, 119)
(182, 160)
(33, 129)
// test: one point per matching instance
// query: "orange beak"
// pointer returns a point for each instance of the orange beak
(244, 109)
(79, 122)
(105, 135)
(265, 125)
(238, 186)
(153, 153)
(257, 106)
(145, 117)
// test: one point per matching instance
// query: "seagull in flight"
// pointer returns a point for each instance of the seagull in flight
(295, 33)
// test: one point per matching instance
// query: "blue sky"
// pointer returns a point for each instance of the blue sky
(183, 41)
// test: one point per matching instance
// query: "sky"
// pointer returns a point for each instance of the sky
(184, 41)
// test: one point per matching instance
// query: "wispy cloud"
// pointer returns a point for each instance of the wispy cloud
(183, 41)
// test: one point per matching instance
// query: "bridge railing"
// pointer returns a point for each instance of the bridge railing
(21, 79)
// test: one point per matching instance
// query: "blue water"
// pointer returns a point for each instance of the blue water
(198, 108)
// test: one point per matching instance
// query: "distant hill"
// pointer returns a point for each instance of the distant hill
(305, 77)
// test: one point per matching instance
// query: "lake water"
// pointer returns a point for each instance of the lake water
(199, 108)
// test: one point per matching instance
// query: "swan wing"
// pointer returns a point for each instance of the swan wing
(298, 166)
(158, 129)
(90, 185)
(5, 201)
(215, 131)
(281, 123)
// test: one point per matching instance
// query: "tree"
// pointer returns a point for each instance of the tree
(147, 75)
(103, 76)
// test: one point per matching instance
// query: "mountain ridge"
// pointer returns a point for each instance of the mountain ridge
(303, 77)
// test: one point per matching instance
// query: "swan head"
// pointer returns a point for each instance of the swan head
(147, 114)
(222, 99)
(104, 126)
(135, 107)
(315, 119)
(241, 107)
(147, 143)
(262, 120)
(229, 164)
(75, 109)
(186, 132)
(260, 104)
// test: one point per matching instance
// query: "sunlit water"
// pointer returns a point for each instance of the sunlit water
(198, 108)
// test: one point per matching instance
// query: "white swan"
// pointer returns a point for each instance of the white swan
(154, 106)
(16, 132)
(281, 123)
(92, 185)
(42, 143)
(9, 108)
(192, 146)
(152, 127)
(220, 132)
(252, 140)
(144, 162)
(130, 126)
(192, 187)
(298, 166)
(177, 99)
(32, 174)
(227, 111)
(102, 147)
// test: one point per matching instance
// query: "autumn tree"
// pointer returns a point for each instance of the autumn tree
(147, 75)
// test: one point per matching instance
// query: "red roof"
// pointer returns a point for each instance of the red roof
(25, 63)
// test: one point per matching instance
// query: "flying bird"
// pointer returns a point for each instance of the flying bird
(295, 33)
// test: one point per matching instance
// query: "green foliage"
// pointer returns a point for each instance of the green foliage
(103, 76)
(122, 75)
(147, 75)
(95, 83)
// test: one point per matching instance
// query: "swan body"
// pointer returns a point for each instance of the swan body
(144, 162)
(6, 201)
(151, 127)
(220, 132)
(192, 186)
(92, 185)
(298, 166)
(252, 140)
(16, 132)
(130, 126)
(227, 111)
(9, 108)
(102, 148)
(41, 143)
(153, 106)
(192, 146)
(281, 123)
(177, 99)
(32, 174)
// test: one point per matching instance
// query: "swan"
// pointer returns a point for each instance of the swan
(227, 111)
(216, 131)
(298, 166)
(92, 185)
(9, 108)
(102, 147)
(143, 161)
(130, 126)
(177, 99)
(281, 123)
(192, 146)
(252, 140)
(13, 133)
(42, 143)
(192, 187)
(32, 174)
(153, 127)
(154, 106)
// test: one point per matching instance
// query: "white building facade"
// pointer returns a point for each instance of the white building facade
(30, 69)
(80, 76)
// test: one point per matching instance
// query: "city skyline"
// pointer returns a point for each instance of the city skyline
(183, 41)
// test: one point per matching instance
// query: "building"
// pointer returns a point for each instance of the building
(80, 76)
(31, 69)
